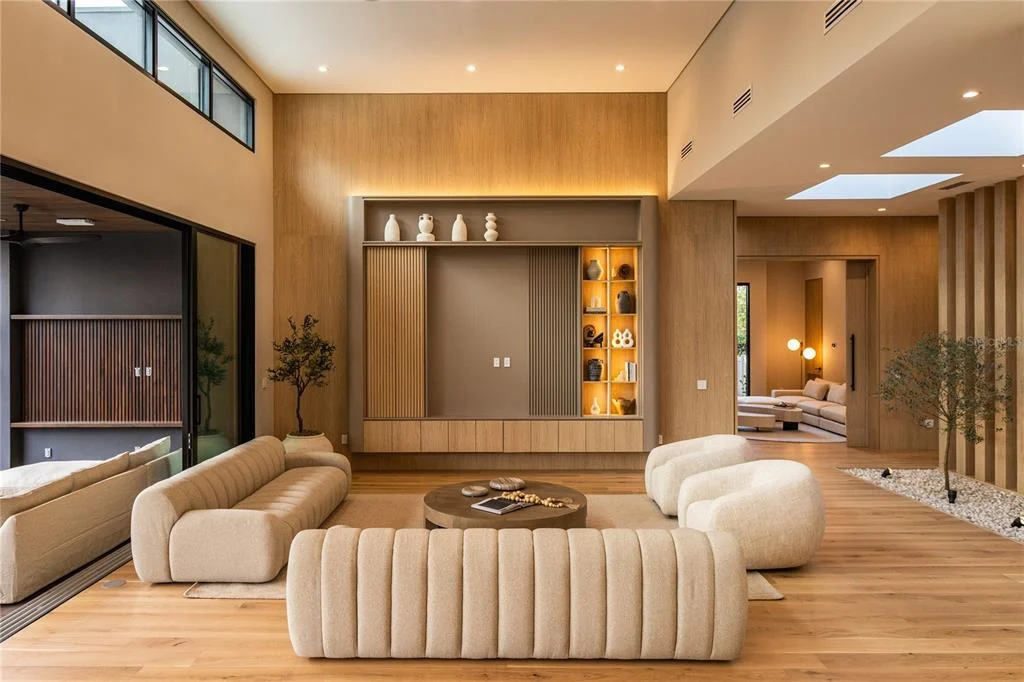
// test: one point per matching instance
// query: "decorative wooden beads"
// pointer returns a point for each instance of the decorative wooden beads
(530, 498)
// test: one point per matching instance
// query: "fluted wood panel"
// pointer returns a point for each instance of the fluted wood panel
(554, 337)
(1005, 300)
(980, 281)
(395, 328)
(82, 370)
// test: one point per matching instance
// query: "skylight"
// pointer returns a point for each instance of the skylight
(993, 132)
(872, 185)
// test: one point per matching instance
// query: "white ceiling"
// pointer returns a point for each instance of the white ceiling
(909, 86)
(423, 46)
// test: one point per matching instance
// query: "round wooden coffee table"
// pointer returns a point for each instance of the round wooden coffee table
(445, 507)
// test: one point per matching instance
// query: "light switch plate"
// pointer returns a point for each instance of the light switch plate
(149, 371)
(48, 453)
(508, 362)
(497, 362)
(138, 371)
(344, 439)
(702, 384)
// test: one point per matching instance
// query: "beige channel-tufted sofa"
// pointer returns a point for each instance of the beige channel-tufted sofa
(515, 593)
(232, 518)
(58, 516)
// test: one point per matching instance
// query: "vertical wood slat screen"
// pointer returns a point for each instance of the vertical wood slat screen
(82, 370)
(396, 322)
(554, 337)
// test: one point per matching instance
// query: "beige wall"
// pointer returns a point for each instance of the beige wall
(833, 285)
(785, 320)
(71, 106)
(906, 250)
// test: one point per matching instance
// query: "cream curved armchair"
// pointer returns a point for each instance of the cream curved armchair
(773, 507)
(668, 465)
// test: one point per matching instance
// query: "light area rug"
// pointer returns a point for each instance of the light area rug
(805, 433)
(377, 510)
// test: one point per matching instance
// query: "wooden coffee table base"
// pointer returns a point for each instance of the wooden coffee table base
(445, 507)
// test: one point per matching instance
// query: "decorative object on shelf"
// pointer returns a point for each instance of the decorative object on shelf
(426, 225)
(491, 228)
(618, 338)
(596, 306)
(459, 231)
(599, 341)
(624, 406)
(474, 491)
(530, 498)
(304, 359)
(594, 270)
(627, 339)
(595, 368)
(630, 370)
(624, 271)
(595, 408)
(589, 332)
(621, 376)
(391, 231)
(624, 303)
(507, 483)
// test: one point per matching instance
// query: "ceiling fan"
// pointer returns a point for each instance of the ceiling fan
(23, 238)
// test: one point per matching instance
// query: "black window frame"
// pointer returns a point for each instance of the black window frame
(154, 16)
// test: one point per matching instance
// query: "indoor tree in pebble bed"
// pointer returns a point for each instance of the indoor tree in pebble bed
(304, 359)
(959, 383)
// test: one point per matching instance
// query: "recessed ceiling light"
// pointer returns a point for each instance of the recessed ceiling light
(882, 209)
(163, 68)
(992, 132)
(871, 185)
(75, 222)
(824, 165)
(970, 94)
(322, 68)
(471, 68)
(620, 67)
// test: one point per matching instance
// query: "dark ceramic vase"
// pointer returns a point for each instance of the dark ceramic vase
(623, 302)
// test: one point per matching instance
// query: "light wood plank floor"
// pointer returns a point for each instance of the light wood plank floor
(898, 592)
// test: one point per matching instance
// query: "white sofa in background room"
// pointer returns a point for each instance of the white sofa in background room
(822, 402)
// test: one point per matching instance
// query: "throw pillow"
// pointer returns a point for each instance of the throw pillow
(837, 393)
(816, 389)
(150, 451)
(102, 470)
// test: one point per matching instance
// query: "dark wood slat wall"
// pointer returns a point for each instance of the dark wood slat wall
(82, 370)
(396, 316)
(554, 337)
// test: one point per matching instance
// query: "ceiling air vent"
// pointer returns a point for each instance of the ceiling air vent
(954, 185)
(742, 101)
(837, 11)
(687, 148)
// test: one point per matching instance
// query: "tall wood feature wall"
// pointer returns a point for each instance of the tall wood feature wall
(981, 276)
(553, 312)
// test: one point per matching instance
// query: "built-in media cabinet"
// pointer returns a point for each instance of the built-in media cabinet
(541, 341)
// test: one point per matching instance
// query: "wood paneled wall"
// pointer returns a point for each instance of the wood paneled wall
(83, 370)
(329, 147)
(554, 333)
(980, 283)
(697, 320)
(906, 250)
(396, 324)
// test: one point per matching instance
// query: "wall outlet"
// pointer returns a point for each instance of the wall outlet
(48, 453)
(138, 371)
(508, 362)
(149, 371)
(497, 362)
(344, 439)
(702, 384)
(661, 439)
(928, 423)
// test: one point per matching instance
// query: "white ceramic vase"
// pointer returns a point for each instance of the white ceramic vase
(426, 226)
(595, 408)
(315, 443)
(459, 232)
(491, 228)
(391, 231)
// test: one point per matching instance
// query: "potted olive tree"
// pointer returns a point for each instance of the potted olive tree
(304, 360)
(958, 383)
(211, 370)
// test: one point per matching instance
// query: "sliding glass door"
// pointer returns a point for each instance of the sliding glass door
(743, 339)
